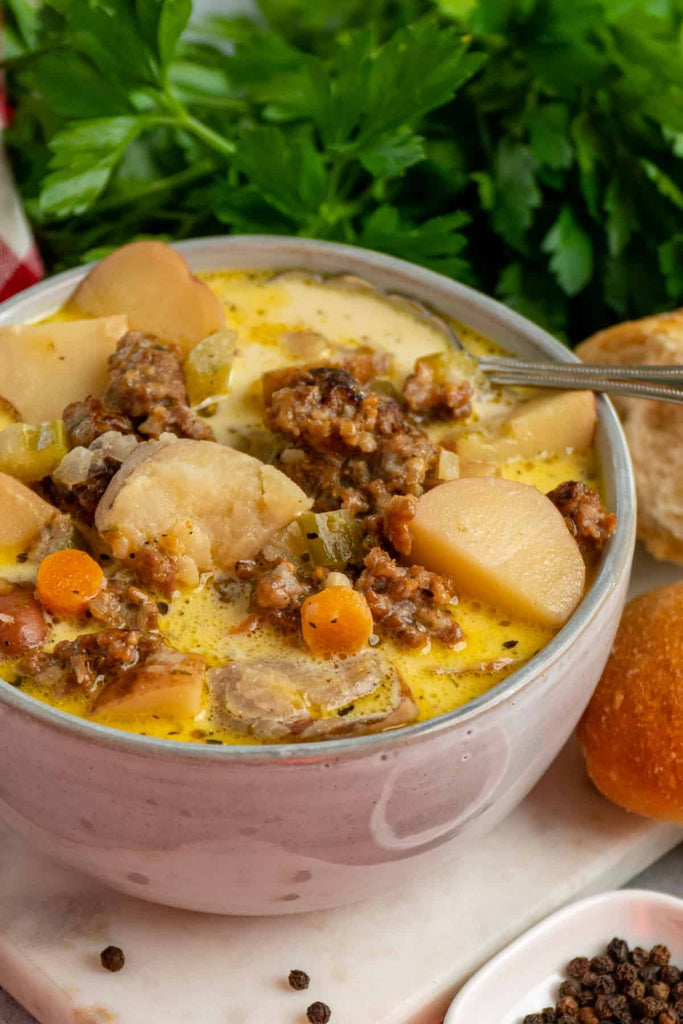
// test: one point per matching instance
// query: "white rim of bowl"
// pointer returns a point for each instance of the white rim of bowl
(616, 559)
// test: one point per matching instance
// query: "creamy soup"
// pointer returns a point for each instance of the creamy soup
(239, 581)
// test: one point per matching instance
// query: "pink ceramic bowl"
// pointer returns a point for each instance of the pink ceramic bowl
(278, 829)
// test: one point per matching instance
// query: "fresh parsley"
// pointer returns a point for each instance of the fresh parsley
(533, 149)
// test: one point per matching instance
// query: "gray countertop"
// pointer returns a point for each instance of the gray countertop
(664, 876)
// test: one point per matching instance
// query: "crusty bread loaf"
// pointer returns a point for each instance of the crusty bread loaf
(632, 730)
(653, 339)
(654, 429)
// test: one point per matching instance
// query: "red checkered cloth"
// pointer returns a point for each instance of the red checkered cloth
(20, 263)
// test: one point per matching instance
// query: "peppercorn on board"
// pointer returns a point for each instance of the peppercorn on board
(275, 560)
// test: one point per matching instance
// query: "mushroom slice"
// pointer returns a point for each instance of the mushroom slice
(204, 504)
(280, 698)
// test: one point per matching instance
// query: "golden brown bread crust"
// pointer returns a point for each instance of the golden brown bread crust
(652, 339)
(654, 430)
(632, 730)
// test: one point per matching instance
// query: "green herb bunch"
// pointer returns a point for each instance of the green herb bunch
(533, 148)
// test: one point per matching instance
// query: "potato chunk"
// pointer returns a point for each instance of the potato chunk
(22, 621)
(24, 515)
(206, 504)
(167, 683)
(479, 469)
(551, 423)
(504, 543)
(44, 367)
(151, 283)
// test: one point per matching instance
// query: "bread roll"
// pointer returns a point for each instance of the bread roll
(632, 730)
(654, 429)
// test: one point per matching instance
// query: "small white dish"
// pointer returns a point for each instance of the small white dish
(525, 976)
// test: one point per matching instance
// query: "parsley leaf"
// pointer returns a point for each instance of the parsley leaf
(516, 191)
(571, 252)
(391, 154)
(532, 147)
(85, 154)
(287, 170)
(549, 136)
(419, 69)
(436, 243)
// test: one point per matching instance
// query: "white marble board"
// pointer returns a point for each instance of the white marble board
(396, 960)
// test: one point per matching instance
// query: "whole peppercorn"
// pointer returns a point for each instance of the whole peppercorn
(602, 965)
(565, 1018)
(589, 979)
(636, 990)
(605, 985)
(548, 1015)
(570, 987)
(606, 1007)
(651, 1006)
(298, 980)
(649, 972)
(639, 956)
(533, 1018)
(318, 1013)
(670, 974)
(567, 1004)
(112, 958)
(587, 1015)
(660, 990)
(587, 997)
(577, 967)
(677, 990)
(660, 955)
(626, 974)
(618, 950)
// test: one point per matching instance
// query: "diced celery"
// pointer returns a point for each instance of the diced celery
(261, 443)
(31, 452)
(383, 386)
(333, 538)
(208, 367)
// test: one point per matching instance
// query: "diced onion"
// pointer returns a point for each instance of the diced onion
(74, 467)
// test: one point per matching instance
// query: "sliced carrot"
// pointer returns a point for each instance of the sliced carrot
(67, 580)
(336, 621)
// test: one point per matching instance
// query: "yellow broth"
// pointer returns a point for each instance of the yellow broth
(262, 310)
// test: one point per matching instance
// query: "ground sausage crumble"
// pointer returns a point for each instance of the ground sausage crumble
(585, 515)
(408, 602)
(353, 449)
(425, 394)
(91, 660)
